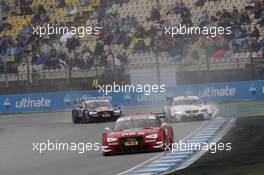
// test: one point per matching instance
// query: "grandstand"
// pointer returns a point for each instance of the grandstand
(132, 40)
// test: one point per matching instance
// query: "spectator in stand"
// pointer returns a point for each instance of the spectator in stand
(122, 57)
(60, 3)
(258, 9)
(39, 15)
(157, 4)
(225, 14)
(45, 48)
(244, 18)
(186, 17)
(84, 2)
(130, 21)
(87, 55)
(140, 46)
(1, 24)
(72, 43)
(261, 21)
(126, 40)
(255, 45)
(261, 41)
(99, 49)
(154, 15)
(3, 7)
(121, 2)
(44, 18)
(62, 63)
(93, 14)
(39, 9)
(70, 11)
(103, 60)
(101, 13)
(204, 19)
(26, 29)
(116, 38)
(235, 12)
(255, 33)
(178, 8)
(25, 9)
(140, 31)
(200, 3)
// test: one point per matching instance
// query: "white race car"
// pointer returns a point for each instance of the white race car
(184, 108)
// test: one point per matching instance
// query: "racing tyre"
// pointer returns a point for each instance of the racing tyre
(74, 119)
(201, 117)
(182, 119)
(85, 116)
(115, 118)
(164, 141)
(210, 116)
(106, 154)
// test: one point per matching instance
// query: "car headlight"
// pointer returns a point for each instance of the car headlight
(109, 139)
(117, 111)
(92, 113)
(177, 112)
(152, 136)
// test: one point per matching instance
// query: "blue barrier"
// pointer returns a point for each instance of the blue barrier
(223, 91)
(45, 102)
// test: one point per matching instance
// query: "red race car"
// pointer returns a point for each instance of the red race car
(137, 133)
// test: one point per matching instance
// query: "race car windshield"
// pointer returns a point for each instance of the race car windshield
(187, 102)
(98, 104)
(79, 104)
(144, 123)
(135, 123)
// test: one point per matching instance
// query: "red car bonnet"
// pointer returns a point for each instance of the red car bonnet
(134, 132)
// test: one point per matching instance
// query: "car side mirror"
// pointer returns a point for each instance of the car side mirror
(117, 107)
(107, 129)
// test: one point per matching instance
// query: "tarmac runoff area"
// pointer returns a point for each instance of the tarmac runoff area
(18, 132)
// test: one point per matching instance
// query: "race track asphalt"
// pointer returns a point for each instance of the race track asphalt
(19, 131)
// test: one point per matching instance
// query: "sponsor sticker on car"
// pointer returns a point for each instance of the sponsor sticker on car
(105, 114)
(131, 143)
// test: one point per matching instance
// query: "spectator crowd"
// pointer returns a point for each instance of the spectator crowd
(127, 32)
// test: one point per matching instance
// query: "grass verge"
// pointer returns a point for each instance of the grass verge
(245, 158)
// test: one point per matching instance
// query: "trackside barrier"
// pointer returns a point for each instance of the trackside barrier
(45, 102)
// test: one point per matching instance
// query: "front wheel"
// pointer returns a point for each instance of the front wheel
(210, 116)
(164, 147)
(115, 118)
(74, 118)
(201, 117)
(86, 117)
(107, 154)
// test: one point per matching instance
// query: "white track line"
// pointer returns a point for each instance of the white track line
(216, 138)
